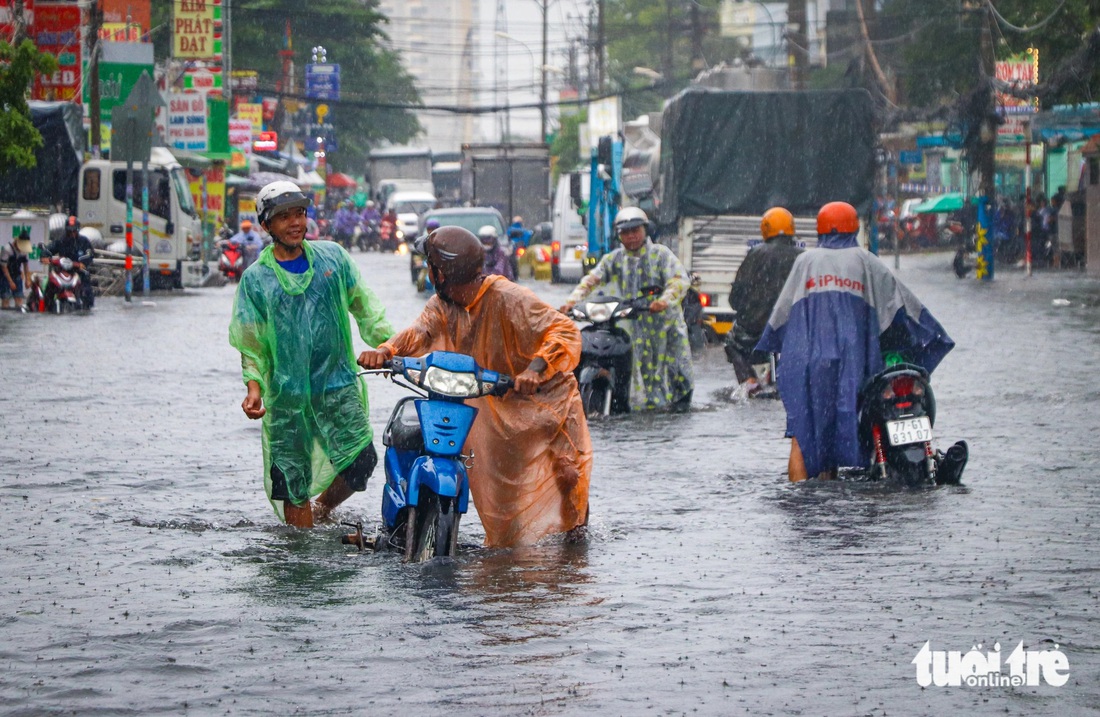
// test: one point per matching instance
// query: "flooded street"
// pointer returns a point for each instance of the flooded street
(145, 572)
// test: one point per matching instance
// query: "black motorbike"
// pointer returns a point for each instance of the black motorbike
(607, 353)
(897, 411)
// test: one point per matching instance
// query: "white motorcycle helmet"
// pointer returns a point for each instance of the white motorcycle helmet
(277, 197)
(630, 217)
(487, 235)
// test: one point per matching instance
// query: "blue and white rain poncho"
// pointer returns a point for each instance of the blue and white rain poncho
(840, 309)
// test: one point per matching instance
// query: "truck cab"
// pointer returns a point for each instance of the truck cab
(175, 230)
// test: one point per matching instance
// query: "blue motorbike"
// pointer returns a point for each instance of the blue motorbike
(427, 489)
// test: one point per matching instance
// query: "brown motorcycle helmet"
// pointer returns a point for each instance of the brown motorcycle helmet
(455, 253)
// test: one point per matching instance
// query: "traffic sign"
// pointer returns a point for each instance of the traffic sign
(323, 81)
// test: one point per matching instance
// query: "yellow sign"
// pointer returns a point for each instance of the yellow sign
(322, 110)
(193, 29)
(254, 113)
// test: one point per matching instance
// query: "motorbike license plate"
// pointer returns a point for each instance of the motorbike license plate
(909, 430)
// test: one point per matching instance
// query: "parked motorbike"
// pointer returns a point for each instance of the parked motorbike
(427, 488)
(897, 411)
(607, 353)
(231, 262)
(64, 290)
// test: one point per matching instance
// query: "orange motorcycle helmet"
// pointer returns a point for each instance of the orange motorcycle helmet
(837, 218)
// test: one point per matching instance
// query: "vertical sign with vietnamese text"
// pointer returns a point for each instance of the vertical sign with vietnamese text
(240, 142)
(194, 30)
(187, 122)
(1019, 73)
(254, 113)
(215, 193)
(56, 31)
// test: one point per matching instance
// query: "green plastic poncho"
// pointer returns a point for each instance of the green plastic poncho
(663, 373)
(294, 337)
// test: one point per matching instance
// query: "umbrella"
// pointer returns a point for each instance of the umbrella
(952, 202)
(339, 179)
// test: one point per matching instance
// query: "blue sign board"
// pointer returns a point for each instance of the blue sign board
(323, 81)
(910, 157)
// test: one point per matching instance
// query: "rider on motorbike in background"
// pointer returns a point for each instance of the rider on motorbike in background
(496, 259)
(75, 246)
(344, 224)
(250, 241)
(759, 280)
(662, 354)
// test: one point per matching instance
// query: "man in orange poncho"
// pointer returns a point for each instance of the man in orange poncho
(532, 452)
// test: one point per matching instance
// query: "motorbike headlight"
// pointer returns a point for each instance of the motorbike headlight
(600, 312)
(66, 263)
(450, 383)
(413, 375)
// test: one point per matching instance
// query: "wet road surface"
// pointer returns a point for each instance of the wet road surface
(146, 574)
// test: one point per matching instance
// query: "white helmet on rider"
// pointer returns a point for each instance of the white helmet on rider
(488, 235)
(630, 217)
(278, 197)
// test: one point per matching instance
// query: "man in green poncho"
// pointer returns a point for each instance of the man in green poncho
(663, 376)
(290, 323)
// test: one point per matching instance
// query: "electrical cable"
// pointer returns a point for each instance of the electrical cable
(1008, 25)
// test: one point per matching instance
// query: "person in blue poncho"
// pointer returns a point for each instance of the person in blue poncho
(840, 310)
(290, 323)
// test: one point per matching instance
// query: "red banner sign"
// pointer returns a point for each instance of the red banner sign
(57, 32)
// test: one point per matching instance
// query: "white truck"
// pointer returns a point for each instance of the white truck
(727, 157)
(175, 230)
(95, 191)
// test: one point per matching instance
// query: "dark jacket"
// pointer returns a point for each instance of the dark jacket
(77, 248)
(759, 281)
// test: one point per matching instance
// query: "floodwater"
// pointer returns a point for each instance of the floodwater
(144, 572)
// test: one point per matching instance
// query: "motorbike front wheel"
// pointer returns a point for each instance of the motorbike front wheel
(432, 528)
(596, 399)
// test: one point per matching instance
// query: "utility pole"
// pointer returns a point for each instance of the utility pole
(542, 68)
(18, 24)
(599, 46)
(697, 61)
(987, 138)
(95, 22)
(798, 43)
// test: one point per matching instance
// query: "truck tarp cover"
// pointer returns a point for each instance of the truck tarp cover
(743, 152)
(53, 180)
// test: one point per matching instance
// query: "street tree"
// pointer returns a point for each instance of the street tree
(18, 137)
(931, 46)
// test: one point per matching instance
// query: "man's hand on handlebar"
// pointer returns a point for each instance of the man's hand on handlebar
(658, 306)
(375, 358)
(528, 382)
(566, 307)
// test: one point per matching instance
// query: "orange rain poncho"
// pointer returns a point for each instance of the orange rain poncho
(532, 454)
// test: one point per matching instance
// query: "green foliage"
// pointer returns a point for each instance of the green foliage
(941, 59)
(565, 149)
(351, 32)
(18, 137)
(656, 34)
